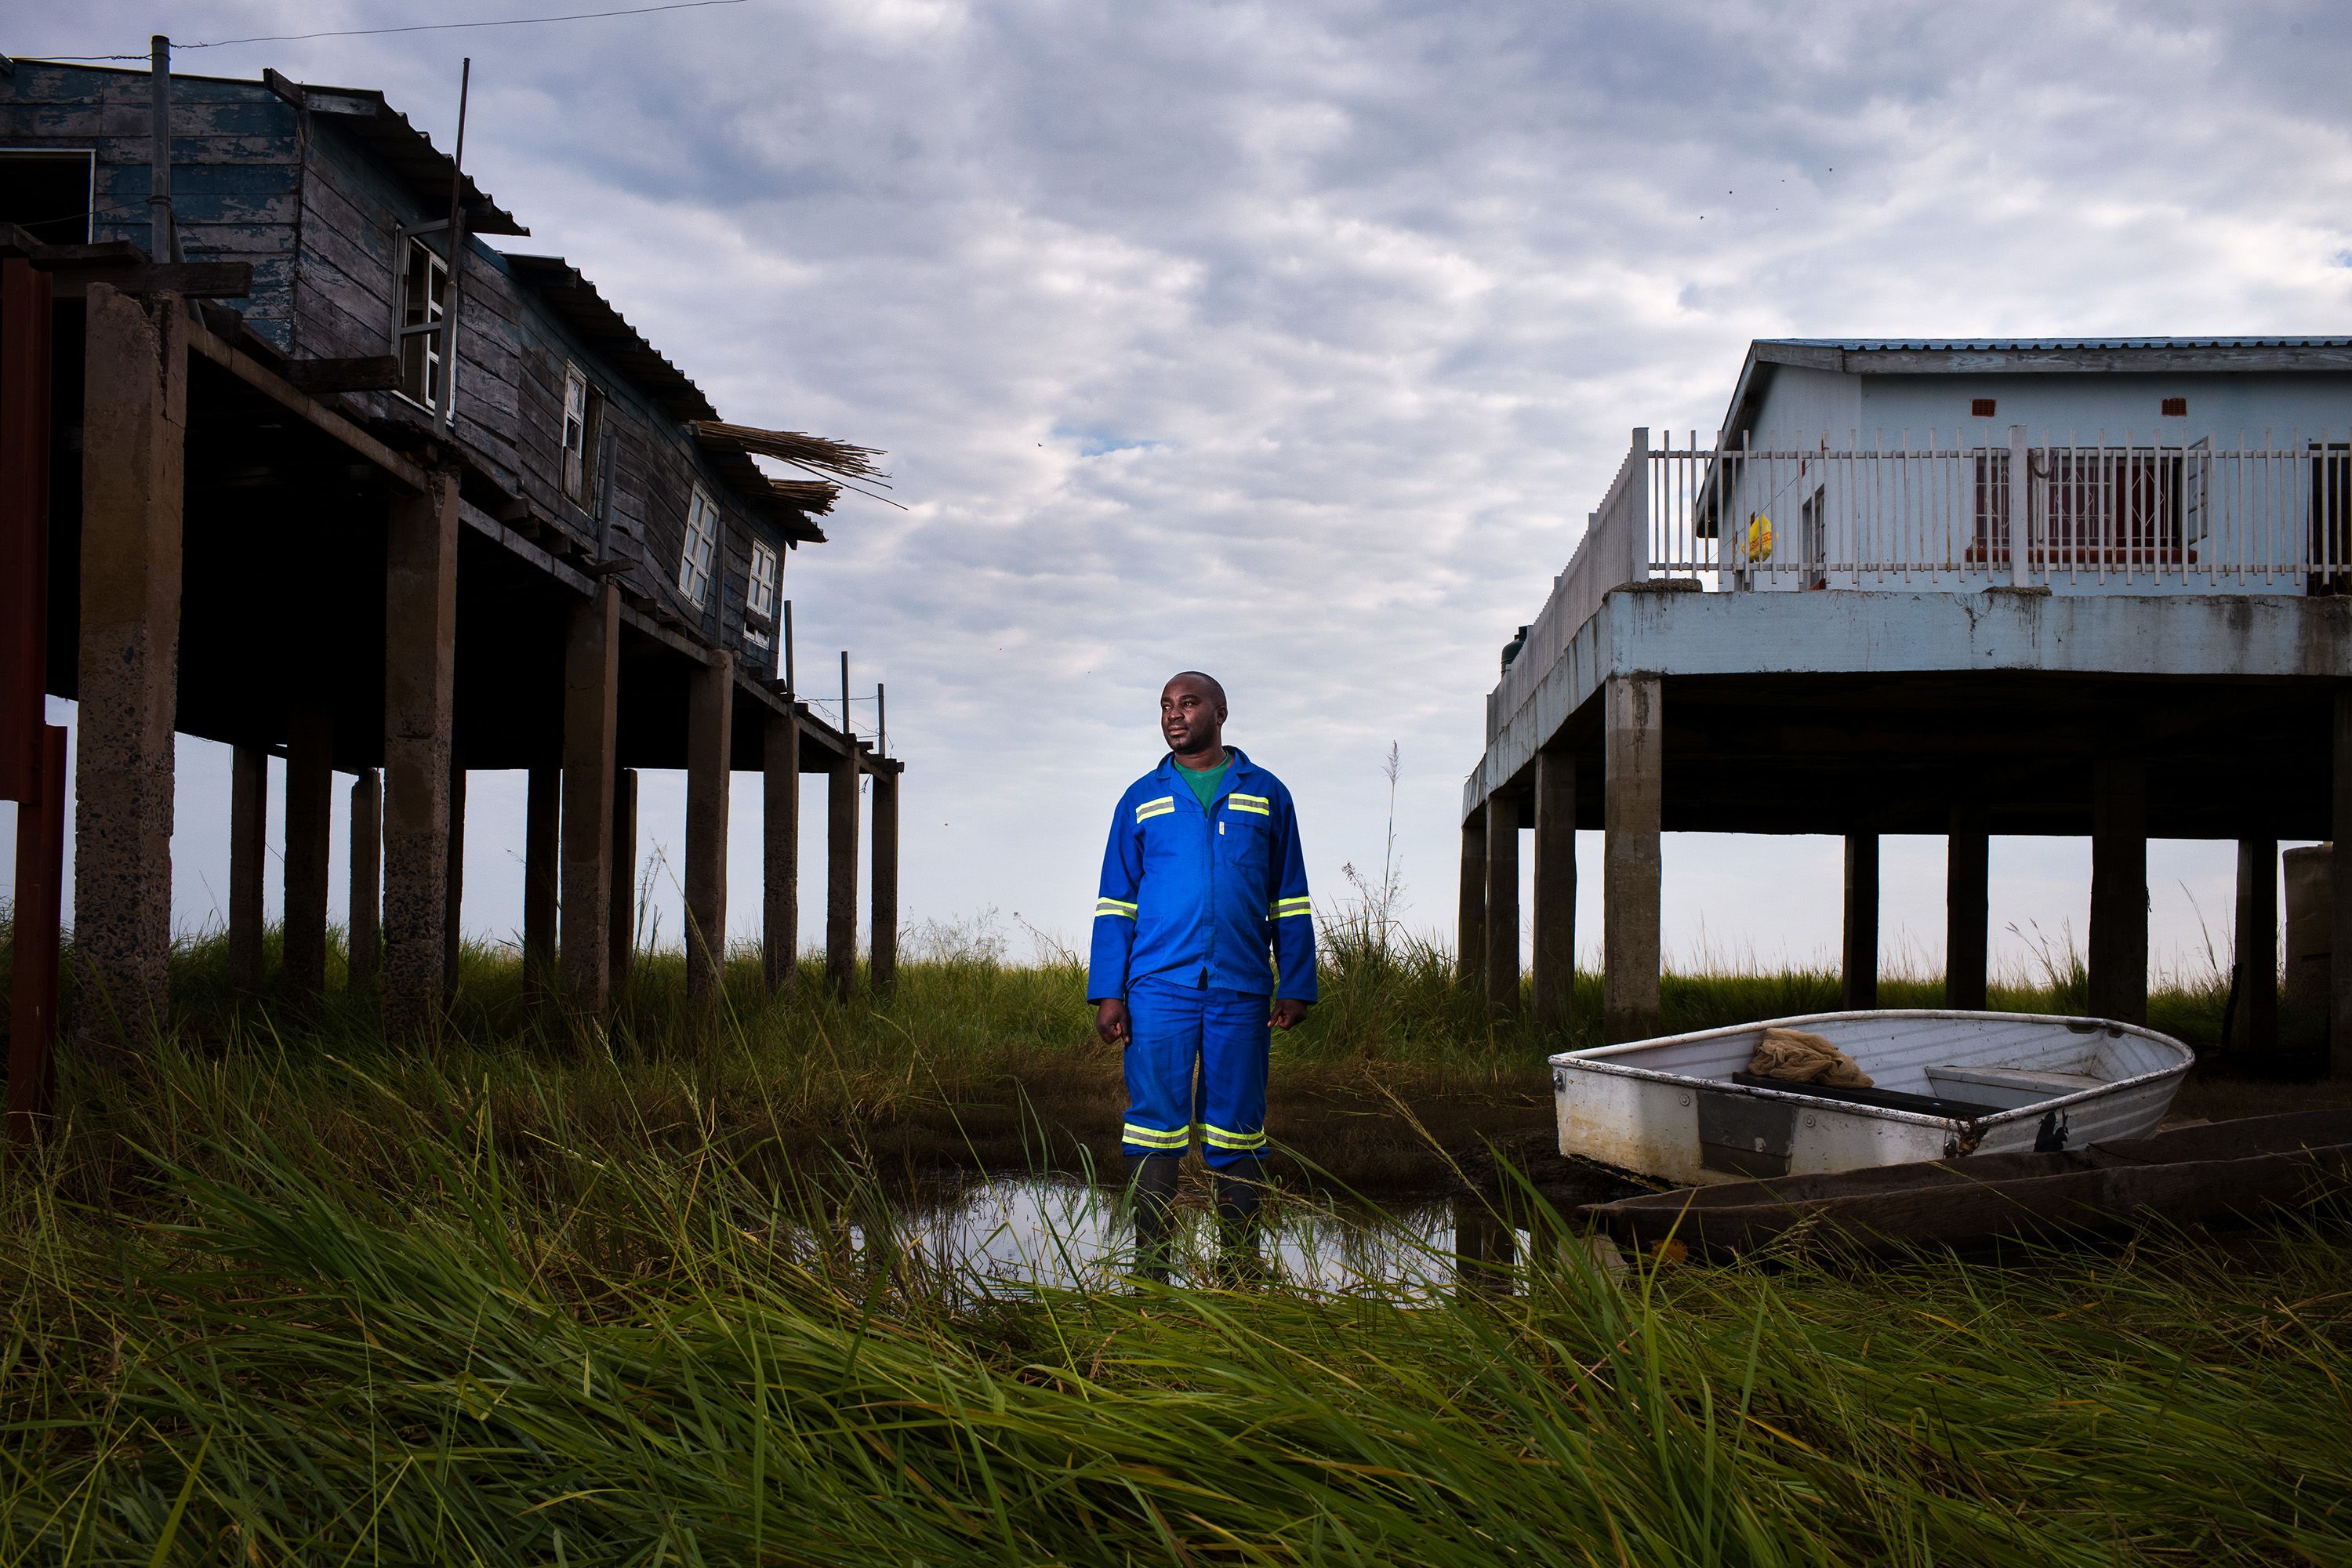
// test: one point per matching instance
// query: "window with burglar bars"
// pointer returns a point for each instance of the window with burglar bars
(423, 295)
(760, 618)
(701, 546)
(583, 423)
(2111, 506)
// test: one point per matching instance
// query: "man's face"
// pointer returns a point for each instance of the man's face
(1191, 718)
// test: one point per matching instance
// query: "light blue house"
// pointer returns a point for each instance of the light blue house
(2023, 586)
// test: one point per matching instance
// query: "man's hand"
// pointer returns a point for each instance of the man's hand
(1288, 1012)
(1110, 1021)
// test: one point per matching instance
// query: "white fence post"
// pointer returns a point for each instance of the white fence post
(1637, 502)
(2020, 507)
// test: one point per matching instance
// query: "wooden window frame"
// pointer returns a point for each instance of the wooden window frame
(696, 566)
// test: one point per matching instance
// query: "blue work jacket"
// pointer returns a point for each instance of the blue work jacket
(1201, 898)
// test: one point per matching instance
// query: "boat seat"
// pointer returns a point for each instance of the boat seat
(2048, 1085)
(1883, 1099)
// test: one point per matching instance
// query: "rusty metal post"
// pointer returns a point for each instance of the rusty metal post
(33, 983)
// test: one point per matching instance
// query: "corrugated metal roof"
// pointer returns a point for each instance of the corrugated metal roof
(2001, 345)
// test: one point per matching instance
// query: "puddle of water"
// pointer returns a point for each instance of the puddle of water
(1005, 1235)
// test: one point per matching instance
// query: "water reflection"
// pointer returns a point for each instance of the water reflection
(1005, 1235)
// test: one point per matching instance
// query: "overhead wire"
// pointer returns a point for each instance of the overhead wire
(411, 27)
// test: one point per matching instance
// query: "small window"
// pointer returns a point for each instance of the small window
(1980, 408)
(701, 546)
(48, 193)
(423, 295)
(2176, 408)
(760, 616)
(583, 427)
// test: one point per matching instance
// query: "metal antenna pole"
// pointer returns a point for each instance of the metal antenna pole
(847, 733)
(881, 723)
(446, 414)
(162, 243)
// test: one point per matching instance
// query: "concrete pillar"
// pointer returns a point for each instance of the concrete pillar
(1471, 916)
(883, 917)
(2255, 1029)
(841, 876)
(367, 880)
(1554, 889)
(780, 850)
(309, 802)
(419, 675)
(2339, 887)
(453, 885)
(622, 902)
(1633, 808)
(542, 831)
(1968, 910)
(590, 877)
(1859, 974)
(134, 433)
(2119, 888)
(249, 856)
(710, 731)
(1503, 905)
(33, 986)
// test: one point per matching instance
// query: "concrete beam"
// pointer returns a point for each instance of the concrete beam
(590, 878)
(419, 674)
(1858, 975)
(840, 877)
(2255, 1029)
(1470, 917)
(1554, 889)
(542, 837)
(710, 731)
(2119, 888)
(1968, 910)
(309, 800)
(1503, 905)
(367, 881)
(780, 850)
(884, 900)
(248, 855)
(134, 437)
(1633, 808)
(622, 941)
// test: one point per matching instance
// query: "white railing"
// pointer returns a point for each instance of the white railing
(2126, 516)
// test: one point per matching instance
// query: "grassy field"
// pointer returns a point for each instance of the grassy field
(286, 1294)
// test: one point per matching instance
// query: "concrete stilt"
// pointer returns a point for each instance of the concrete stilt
(2339, 1003)
(419, 671)
(1470, 920)
(134, 434)
(622, 941)
(1968, 871)
(780, 851)
(884, 900)
(453, 886)
(1503, 905)
(542, 830)
(841, 876)
(590, 877)
(2119, 888)
(710, 731)
(367, 880)
(1633, 808)
(33, 972)
(2303, 994)
(1859, 974)
(1554, 889)
(249, 855)
(2255, 1029)
(309, 802)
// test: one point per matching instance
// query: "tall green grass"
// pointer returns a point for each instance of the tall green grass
(426, 1348)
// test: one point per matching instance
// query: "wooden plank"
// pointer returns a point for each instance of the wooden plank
(366, 373)
(278, 390)
(189, 279)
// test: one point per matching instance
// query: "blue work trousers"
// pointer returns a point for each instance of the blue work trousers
(1175, 1030)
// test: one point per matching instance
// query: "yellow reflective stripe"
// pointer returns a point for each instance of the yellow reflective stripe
(1298, 901)
(1237, 797)
(1108, 911)
(1240, 804)
(1160, 807)
(1153, 1138)
(1219, 1138)
(1293, 914)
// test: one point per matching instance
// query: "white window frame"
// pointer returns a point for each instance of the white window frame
(760, 602)
(426, 326)
(700, 548)
(584, 433)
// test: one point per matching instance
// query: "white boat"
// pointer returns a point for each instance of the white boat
(1685, 1109)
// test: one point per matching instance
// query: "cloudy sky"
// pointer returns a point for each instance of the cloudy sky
(1296, 341)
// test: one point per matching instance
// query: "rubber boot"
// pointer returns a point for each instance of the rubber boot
(1151, 1186)
(1241, 1189)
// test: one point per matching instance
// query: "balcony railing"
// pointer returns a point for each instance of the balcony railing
(2135, 515)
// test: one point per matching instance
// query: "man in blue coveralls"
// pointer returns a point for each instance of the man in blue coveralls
(1202, 881)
